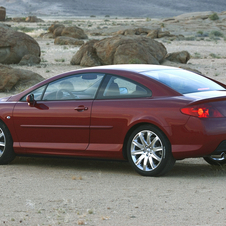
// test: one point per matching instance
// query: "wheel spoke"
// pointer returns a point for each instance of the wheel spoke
(153, 155)
(138, 144)
(139, 159)
(152, 164)
(154, 142)
(2, 144)
(157, 149)
(145, 163)
(134, 153)
(142, 139)
(149, 138)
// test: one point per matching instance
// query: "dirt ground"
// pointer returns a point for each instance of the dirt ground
(57, 191)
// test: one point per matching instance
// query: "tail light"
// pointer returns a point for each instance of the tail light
(202, 111)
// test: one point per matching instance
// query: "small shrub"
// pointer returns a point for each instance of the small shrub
(196, 55)
(43, 60)
(60, 60)
(190, 38)
(217, 33)
(214, 16)
(135, 61)
(213, 55)
(24, 29)
(201, 34)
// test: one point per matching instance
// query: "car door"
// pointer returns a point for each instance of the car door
(117, 104)
(59, 121)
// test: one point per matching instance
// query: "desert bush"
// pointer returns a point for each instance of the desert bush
(189, 38)
(202, 34)
(24, 29)
(60, 60)
(196, 55)
(213, 55)
(135, 61)
(216, 34)
(214, 16)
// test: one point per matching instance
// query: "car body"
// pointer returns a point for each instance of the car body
(149, 115)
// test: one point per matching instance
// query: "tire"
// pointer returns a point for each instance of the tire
(215, 161)
(6, 145)
(149, 151)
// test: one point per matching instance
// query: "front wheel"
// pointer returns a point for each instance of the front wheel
(216, 161)
(149, 151)
(6, 145)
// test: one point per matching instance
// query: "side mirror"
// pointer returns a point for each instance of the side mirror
(31, 100)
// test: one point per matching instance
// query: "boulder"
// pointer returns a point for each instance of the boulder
(63, 40)
(57, 32)
(46, 35)
(86, 55)
(120, 50)
(18, 19)
(153, 34)
(147, 32)
(179, 65)
(2, 13)
(11, 78)
(54, 26)
(74, 32)
(30, 60)
(14, 45)
(33, 19)
(162, 34)
(179, 57)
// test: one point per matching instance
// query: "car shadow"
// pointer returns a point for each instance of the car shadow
(79, 164)
(195, 168)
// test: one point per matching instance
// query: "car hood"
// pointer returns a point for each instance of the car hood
(4, 99)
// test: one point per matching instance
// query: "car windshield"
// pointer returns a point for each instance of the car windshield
(183, 81)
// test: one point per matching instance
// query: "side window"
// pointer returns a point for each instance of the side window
(81, 86)
(122, 88)
(37, 93)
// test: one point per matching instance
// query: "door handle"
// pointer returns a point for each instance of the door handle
(81, 108)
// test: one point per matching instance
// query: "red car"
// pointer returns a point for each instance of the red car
(149, 115)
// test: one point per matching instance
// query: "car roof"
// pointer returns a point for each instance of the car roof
(135, 67)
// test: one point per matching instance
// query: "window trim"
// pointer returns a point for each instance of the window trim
(65, 77)
(105, 82)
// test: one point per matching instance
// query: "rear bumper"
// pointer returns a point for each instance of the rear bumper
(201, 137)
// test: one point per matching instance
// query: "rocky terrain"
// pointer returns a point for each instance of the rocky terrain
(38, 191)
(198, 38)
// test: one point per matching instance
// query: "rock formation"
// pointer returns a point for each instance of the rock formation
(11, 78)
(120, 50)
(14, 45)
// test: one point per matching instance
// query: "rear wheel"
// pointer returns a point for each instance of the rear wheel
(149, 151)
(6, 145)
(216, 161)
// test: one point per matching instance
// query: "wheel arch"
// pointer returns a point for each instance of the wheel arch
(124, 149)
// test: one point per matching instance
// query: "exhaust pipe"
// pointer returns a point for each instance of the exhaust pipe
(221, 156)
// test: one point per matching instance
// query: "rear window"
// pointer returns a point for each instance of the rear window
(183, 81)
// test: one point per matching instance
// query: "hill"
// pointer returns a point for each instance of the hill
(121, 8)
